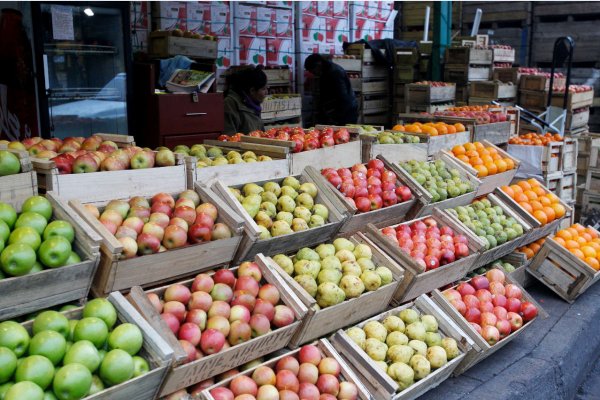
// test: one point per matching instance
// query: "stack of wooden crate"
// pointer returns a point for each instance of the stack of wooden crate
(588, 172)
(465, 65)
(486, 92)
(533, 91)
(429, 97)
(406, 70)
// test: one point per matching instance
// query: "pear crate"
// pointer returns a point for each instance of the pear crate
(18, 187)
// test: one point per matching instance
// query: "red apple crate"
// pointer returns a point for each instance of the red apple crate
(319, 322)
(416, 280)
(53, 286)
(561, 271)
(251, 245)
(482, 349)
(379, 383)
(575, 100)
(327, 350)
(115, 273)
(18, 187)
(358, 220)
(154, 350)
(184, 375)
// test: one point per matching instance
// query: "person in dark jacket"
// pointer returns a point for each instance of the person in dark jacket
(337, 103)
(246, 90)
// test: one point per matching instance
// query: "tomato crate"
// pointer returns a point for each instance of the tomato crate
(463, 74)
(54, 286)
(184, 374)
(18, 187)
(426, 94)
(575, 100)
(115, 273)
(561, 271)
(468, 55)
(327, 350)
(377, 381)
(416, 280)
(492, 90)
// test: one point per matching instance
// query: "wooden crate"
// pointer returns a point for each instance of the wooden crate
(115, 273)
(277, 75)
(416, 280)
(406, 56)
(327, 350)
(539, 83)
(590, 202)
(19, 187)
(551, 181)
(506, 75)
(375, 104)
(405, 74)
(534, 100)
(393, 152)
(520, 274)
(372, 87)
(503, 55)
(587, 142)
(561, 271)
(183, 374)
(468, 55)
(320, 322)
(381, 385)
(162, 44)
(427, 94)
(494, 132)
(569, 154)
(577, 120)
(428, 108)
(592, 180)
(550, 159)
(371, 71)
(349, 64)
(568, 187)
(281, 105)
(354, 129)
(481, 349)
(492, 90)
(53, 286)
(574, 100)
(465, 73)
(252, 245)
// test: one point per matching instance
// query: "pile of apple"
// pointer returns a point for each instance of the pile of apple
(305, 375)
(147, 227)
(9, 163)
(481, 117)
(209, 156)
(440, 181)
(500, 46)
(335, 272)
(435, 84)
(221, 310)
(503, 65)
(573, 88)
(498, 264)
(493, 307)
(394, 137)
(281, 209)
(368, 186)
(407, 346)
(31, 241)
(69, 359)
(488, 222)
(428, 243)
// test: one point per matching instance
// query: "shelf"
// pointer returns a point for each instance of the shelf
(80, 49)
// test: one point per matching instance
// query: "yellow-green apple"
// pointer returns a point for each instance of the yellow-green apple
(191, 195)
(142, 159)
(220, 231)
(180, 223)
(165, 158)
(8, 364)
(51, 320)
(92, 209)
(154, 229)
(198, 317)
(141, 212)
(49, 344)
(134, 223)
(239, 313)
(32, 219)
(117, 367)
(8, 214)
(121, 206)
(251, 269)
(209, 209)
(139, 201)
(140, 366)
(112, 215)
(24, 390)
(218, 323)
(85, 353)
(159, 218)
(15, 145)
(9, 163)
(103, 309)
(182, 201)
(85, 164)
(26, 235)
(221, 291)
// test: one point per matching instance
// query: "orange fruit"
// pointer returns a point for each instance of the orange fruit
(459, 127)
(398, 127)
(510, 164)
(539, 191)
(560, 241)
(463, 158)
(508, 190)
(540, 216)
(571, 244)
(559, 210)
(536, 205)
(491, 167)
(593, 262)
(535, 247)
(588, 251)
(545, 201)
(528, 252)
(475, 161)
(496, 157)
(553, 198)
(549, 213)
(451, 129)
(533, 182)
(458, 150)
(479, 146)
(579, 228)
(441, 128)
(581, 241)
(596, 246)
(501, 165)
(472, 153)
(429, 130)
(524, 185)
(564, 234)
(482, 171)
(591, 232)
(530, 194)
(491, 149)
(486, 158)
(517, 188)
(520, 197)
(413, 129)
(469, 146)
(573, 232)
(586, 236)
(578, 253)
(526, 206)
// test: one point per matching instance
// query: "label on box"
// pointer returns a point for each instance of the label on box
(170, 16)
(385, 10)
(325, 8)
(327, 48)
(224, 52)
(313, 29)
(265, 22)
(253, 50)
(287, 4)
(284, 23)
(309, 7)
(337, 33)
(340, 8)
(219, 20)
(358, 9)
(371, 9)
(246, 20)
(280, 52)
(365, 29)
(197, 21)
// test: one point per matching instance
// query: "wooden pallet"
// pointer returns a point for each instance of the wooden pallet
(19, 187)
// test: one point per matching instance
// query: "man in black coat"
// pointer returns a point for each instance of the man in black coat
(337, 102)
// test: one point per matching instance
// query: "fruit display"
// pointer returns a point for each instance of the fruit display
(492, 306)
(489, 222)
(368, 186)
(9, 163)
(428, 242)
(395, 136)
(334, 272)
(582, 242)
(486, 160)
(531, 249)
(406, 345)
(498, 264)
(281, 208)
(479, 113)
(364, 128)
(500, 46)
(164, 223)
(573, 89)
(440, 181)
(536, 200)
(431, 128)
(435, 83)
(211, 156)
(307, 373)
(67, 359)
(31, 241)
(535, 139)
(221, 310)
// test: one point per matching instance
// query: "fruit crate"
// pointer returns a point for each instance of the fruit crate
(428, 108)
(492, 90)
(354, 129)
(252, 245)
(568, 187)
(394, 152)
(404, 56)
(425, 150)
(53, 286)
(590, 202)
(375, 104)
(405, 74)
(233, 174)
(357, 221)
(320, 322)
(494, 132)
(378, 382)
(538, 83)
(538, 160)
(427, 94)
(520, 274)
(574, 100)
(569, 154)
(162, 44)
(340, 154)
(506, 75)
(489, 183)
(503, 55)
(488, 256)
(278, 75)
(561, 271)
(592, 180)
(115, 273)
(375, 87)
(466, 73)
(349, 64)
(327, 350)
(578, 119)
(183, 374)
(481, 348)
(468, 55)
(416, 280)
(373, 70)
(19, 187)
(281, 105)
(424, 206)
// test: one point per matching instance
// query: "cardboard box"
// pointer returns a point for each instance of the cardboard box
(340, 9)
(306, 49)
(327, 48)
(253, 50)
(224, 52)
(280, 52)
(287, 4)
(284, 23)
(372, 9)
(325, 8)
(308, 7)
(198, 17)
(358, 9)
(169, 15)
(364, 29)
(219, 19)
(265, 22)
(385, 10)
(338, 32)
(139, 14)
(246, 20)
(313, 28)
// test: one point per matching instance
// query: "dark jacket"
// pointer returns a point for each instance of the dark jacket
(337, 102)
(239, 117)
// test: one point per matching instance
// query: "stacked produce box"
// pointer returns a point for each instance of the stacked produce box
(467, 64)
(429, 97)
(588, 192)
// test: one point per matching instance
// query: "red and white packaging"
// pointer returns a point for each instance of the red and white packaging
(284, 23)
(198, 17)
(280, 52)
(219, 19)
(246, 20)
(327, 48)
(385, 10)
(170, 15)
(287, 4)
(253, 50)
(308, 48)
(308, 7)
(224, 52)
(265, 22)
(340, 9)
(372, 9)
(325, 8)
(139, 14)
(358, 8)
(338, 32)
(365, 29)
(313, 29)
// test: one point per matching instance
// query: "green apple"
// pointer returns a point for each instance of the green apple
(126, 337)
(24, 390)
(37, 267)
(48, 395)
(4, 230)
(140, 366)
(97, 385)
(51, 320)
(49, 344)
(92, 329)
(72, 325)
(54, 251)
(26, 235)
(8, 364)
(60, 228)
(17, 259)
(102, 354)
(32, 219)
(38, 204)
(68, 307)
(8, 214)
(103, 309)
(117, 367)
(85, 353)
(14, 337)
(36, 369)
(2, 244)
(9, 163)
(73, 259)
(72, 382)
(4, 388)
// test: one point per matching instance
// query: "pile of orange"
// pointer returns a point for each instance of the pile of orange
(532, 248)
(582, 242)
(472, 108)
(485, 160)
(535, 139)
(536, 200)
(431, 128)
